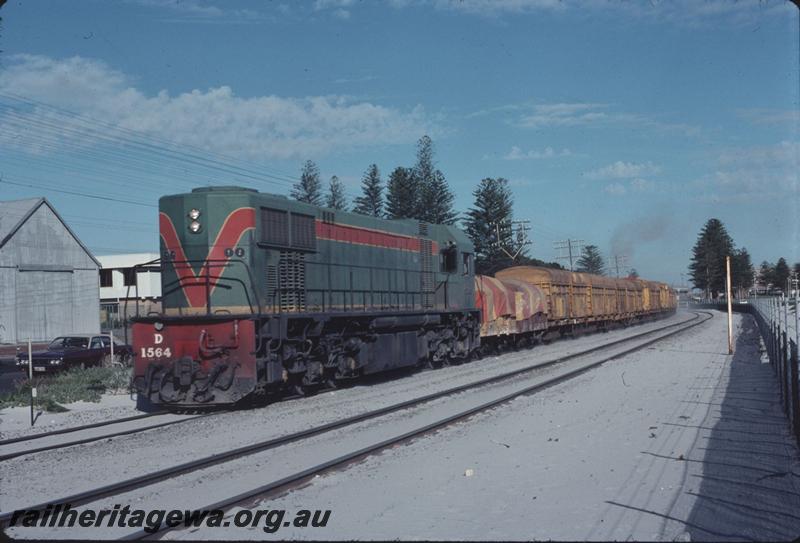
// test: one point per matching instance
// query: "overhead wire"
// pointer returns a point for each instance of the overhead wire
(160, 146)
(62, 130)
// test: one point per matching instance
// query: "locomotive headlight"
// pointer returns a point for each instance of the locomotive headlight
(194, 214)
(158, 325)
(194, 226)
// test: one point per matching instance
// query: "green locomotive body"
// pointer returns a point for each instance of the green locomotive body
(261, 293)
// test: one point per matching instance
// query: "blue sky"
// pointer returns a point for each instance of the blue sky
(623, 124)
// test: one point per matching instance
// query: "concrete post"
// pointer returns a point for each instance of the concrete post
(797, 321)
(730, 308)
(30, 377)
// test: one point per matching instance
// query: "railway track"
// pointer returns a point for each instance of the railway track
(24, 450)
(22, 441)
(77, 428)
(299, 476)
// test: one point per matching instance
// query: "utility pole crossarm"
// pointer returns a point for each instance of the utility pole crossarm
(512, 237)
(571, 248)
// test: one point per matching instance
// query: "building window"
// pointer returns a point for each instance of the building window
(128, 277)
(106, 278)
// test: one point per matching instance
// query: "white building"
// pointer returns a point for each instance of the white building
(121, 285)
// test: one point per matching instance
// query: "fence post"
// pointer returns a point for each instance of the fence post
(30, 379)
(785, 383)
(771, 336)
(786, 352)
(795, 417)
(775, 336)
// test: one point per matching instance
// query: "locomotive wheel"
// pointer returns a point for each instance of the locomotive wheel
(330, 383)
(433, 365)
(451, 360)
(299, 390)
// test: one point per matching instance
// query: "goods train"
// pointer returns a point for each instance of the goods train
(263, 295)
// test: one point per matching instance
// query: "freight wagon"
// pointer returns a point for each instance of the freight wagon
(562, 301)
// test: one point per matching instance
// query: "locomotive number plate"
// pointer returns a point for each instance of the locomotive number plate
(156, 352)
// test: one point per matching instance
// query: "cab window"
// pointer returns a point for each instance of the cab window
(449, 259)
(467, 261)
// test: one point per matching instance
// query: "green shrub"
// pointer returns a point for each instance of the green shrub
(69, 386)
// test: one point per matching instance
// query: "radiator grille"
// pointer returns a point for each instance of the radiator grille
(304, 232)
(272, 285)
(292, 274)
(426, 277)
(274, 226)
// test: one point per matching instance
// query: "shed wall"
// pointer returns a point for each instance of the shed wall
(49, 284)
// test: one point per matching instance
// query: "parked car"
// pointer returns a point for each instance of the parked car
(76, 351)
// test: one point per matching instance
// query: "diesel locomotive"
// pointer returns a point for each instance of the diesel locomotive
(261, 294)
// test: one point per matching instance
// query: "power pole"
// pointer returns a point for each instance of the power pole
(620, 261)
(571, 249)
(515, 235)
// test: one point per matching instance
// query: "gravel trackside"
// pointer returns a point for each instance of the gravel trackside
(676, 442)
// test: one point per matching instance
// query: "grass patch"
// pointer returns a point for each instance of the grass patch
(73, 385)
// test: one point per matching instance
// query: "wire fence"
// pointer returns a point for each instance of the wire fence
(779, 324)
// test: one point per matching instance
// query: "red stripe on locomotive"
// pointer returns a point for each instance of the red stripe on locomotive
(193, 285)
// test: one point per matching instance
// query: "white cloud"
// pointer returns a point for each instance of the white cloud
(548, 152)
(616, 189)
(642, 185)
(758, 173)
(570, 114)
(215, 119)
(770, 116)
(564, 114)
(624, 170)
(338, 7)
(680, 12)
(202, 11)
(331, 4)
(497, 7)
(784, 153)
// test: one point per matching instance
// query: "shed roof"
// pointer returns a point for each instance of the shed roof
(14, 213)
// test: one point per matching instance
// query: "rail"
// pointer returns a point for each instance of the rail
(778, 322)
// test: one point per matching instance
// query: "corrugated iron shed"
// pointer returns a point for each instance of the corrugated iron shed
(48, 278)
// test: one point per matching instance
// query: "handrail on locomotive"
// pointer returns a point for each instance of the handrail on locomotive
(400, 297)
